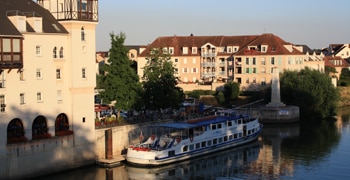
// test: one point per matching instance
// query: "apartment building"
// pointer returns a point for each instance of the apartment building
(48, 76)
(247, 60)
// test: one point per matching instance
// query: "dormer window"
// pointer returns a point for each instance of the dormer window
(185, 50)
(273, 48)
(194, 50)
(171, 50)
(229, 49)
(263, 48)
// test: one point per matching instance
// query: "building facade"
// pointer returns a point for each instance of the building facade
(248, 60)
(48, 76)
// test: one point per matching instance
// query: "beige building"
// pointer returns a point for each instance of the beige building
(48, 76)
(201, 60)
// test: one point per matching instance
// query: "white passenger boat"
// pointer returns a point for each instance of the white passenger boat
(173, 142)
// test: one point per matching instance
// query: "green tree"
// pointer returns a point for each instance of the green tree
(231, 91)
(160, 90)
(311, 90)
(120, 82)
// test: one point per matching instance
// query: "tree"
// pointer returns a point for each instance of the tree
(311, 90)
(231, 91)
(120, 82)
(160, 90)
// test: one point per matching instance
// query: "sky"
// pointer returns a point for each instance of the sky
(316, 23)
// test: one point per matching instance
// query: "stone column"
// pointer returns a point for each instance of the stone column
(275, 90)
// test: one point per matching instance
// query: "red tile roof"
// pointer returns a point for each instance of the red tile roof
(178, 42)
(333, 61)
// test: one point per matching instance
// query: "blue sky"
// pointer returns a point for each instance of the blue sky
(316, 23)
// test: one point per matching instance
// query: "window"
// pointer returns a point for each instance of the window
(82, 34)
(38, 74)
(15, 132)
(171, 50)
(83, 73)
(176, 71)
(272, 60)
(2, 103)
(254, 80)
(59, 95)
(263, 81)
(247, 70)
(2, 80)
(176, 60)
(290, 61)
(247, 80)
(194, 70)
(254, 70)
(39, 97)
(263, 61)
(39, 128)
(38, 50)
(229, 50)
(263, 70)
(194, 60)
(194, 50)
(185, 70)
(62, 125)
(54, 52)
(247, 61)
(58, 73)
(21, 99)
(185, 50)
(61, 52)
(254, 61)
(21, 75)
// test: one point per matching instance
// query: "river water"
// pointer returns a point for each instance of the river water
(294, 151)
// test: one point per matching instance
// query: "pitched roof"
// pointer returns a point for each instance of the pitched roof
(275, 44)
(26, 8)
(334, 61)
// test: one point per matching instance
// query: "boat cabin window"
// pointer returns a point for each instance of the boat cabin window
(225, 138)
(219, 126)
(240, 134)
(215, 141)
(239, 121)
(220, 140)
(191, 147)
(203, 143)
(198, 145)
(249, 132)
(230, 137)
(213, 126)
(235, 136)
(185, 148)
(209, 142)
(171, 153)
(229, 123)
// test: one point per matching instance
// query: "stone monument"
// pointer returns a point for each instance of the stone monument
(276, 111)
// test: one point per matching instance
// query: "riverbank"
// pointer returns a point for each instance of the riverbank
(344, 96)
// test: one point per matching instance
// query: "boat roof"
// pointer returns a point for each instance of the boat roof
(176, 125)
(183, 125)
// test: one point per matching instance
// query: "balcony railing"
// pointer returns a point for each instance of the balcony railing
(208, 64)
(208, 54)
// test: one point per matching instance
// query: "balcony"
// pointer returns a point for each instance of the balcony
(208, 64)
(208, 54)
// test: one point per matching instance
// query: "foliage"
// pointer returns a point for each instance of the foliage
(221, 97)
(330, 70)
(231, 91)
(344, 79)
(120, 82)
(311, 90)
(160, 90)
(197, 93)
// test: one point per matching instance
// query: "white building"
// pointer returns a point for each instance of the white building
(47, 81)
